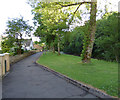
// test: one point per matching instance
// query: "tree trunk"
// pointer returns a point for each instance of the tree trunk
(19, 41)
(53, 48)
(116, 58)
(19, 50)
(49, 47)
(116, 55)
(91, 30)
(58, 45)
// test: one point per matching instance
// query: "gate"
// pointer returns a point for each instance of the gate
(5, 66)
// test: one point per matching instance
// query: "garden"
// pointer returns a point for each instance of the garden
(79, 39)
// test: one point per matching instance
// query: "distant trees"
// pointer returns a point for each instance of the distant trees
(16, 28)
(73, 44)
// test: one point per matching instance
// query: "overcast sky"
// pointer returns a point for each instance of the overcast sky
(15, 8)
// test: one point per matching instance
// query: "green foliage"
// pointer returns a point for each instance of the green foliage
(7, 44)
(51, 22)
(52, 17)
(107, 43)
(1, 51)
(73, 43)
(18, 26)
(86, 40)
(36, 42)
(15, 29)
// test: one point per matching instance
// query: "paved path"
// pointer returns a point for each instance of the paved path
(27, 80)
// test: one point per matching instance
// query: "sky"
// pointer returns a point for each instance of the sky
(100, 6)
(14, 9)
(17, 8)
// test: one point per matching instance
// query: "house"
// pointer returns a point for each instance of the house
(27, 44)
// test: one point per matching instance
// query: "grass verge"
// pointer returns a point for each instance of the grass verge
(99, 74)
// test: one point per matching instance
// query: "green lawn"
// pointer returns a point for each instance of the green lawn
(100, 74)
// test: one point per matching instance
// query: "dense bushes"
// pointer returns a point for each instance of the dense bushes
(74, 43)
(106, 44)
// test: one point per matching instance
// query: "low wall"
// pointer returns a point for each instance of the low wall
(16, 58)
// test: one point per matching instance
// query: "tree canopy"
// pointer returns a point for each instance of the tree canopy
(16, 28)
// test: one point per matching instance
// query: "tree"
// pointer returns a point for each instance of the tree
(43, 31)
(87, 48)
(16, 28)
(90, 35)
(106, 44)
(51, 24)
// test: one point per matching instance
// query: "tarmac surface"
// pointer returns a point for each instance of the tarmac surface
(27, 80)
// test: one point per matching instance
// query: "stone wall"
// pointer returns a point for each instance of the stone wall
(16, 58)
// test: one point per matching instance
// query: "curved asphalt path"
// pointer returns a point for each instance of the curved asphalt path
(27, 80)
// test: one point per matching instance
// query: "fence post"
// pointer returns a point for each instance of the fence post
(2, 67)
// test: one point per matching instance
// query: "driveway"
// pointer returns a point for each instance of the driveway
(27, 80)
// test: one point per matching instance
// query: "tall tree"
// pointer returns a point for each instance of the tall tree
(90, 35)
(54, 21)
(16, 28)
(46, 34)
(87, 48)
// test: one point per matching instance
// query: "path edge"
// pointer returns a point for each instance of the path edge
(91, 90)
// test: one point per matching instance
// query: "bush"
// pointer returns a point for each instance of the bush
(106, 43)
(12, 53)
(17, 49)
(22, 51)
(74, 44)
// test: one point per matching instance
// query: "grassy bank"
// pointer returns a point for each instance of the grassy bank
(100, 74)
